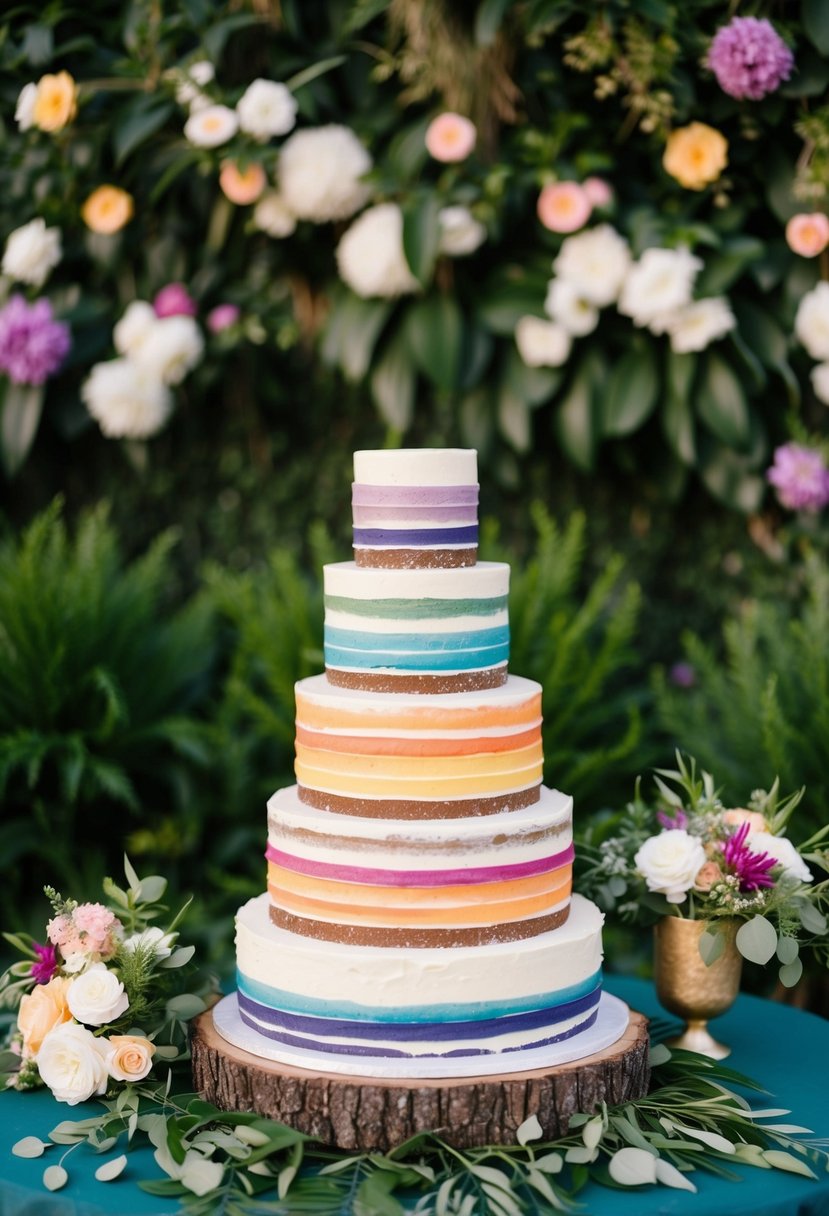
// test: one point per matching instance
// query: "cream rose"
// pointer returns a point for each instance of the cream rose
(670, 863)
(129, 1057)
(783, 852)
(97, 996)
(71, 1061)
(41, 1010)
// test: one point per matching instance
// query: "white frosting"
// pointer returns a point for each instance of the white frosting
(376, 626)
(516, 690)
(390, 977)
(417, 467)
(485, 580)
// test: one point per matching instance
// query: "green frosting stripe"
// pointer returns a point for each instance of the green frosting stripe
(421, 610)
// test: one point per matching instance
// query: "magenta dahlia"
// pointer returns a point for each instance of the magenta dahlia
(32, 343)
(749, 58)
(751, 869)
(46, 965)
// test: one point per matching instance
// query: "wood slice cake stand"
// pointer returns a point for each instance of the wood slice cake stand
(371, 1113)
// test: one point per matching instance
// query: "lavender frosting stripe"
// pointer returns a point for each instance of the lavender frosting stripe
(415, 536)
(424, 516)
(413, 496)
(419, 878)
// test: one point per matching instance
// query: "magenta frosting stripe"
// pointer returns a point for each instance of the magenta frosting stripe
(417, 515)
(413, 496)
(418, 878)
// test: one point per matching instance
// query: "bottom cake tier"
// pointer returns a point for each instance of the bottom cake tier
(383, 1011)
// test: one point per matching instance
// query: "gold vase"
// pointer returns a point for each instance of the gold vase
(689, 988)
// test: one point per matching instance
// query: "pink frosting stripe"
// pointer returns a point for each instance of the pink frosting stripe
(418, 878)
(413, 496)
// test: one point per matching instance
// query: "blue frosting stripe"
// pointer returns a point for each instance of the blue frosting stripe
(416, 536)
(455, 660)
(407, 643)
(278, 998)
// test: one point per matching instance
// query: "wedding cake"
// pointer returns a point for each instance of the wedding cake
(418, 920)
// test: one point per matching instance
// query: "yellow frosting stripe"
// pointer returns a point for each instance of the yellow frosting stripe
(341, 763)
(329, 716)
(424, 786)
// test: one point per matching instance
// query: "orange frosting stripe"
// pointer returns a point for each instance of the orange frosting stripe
(427, 786)
(363, 745)
(332, 717)
(410, 766)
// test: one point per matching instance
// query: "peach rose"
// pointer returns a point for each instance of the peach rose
(734, 818)
(450, 137)
(695, 155)
(707, 875)
(41, 1011)
(242, 186)
(107, 209)
(56, 102)
(564, 206)
(129, 1057)
(808, 235)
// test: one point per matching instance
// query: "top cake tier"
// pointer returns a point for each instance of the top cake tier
(415, 508)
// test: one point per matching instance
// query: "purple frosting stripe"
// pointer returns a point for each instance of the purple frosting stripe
(419, 878)
(415, 515)
(415, 536)
(413, 496)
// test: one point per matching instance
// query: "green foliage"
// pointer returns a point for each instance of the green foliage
(759, 706)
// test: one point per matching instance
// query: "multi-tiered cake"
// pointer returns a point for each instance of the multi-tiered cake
(418, 919)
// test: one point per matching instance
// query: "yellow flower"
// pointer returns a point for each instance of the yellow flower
(129, 1057)
(40, 1011)
(56, 102)
(695, 155)
(107, 209)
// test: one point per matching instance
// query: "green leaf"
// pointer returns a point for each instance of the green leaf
(216, 36)
(721, 403)
(185, 1006)
(815, 17)
(787, 950)
(757, 940)
(669, 1175)
(54, 1177)
(727, 264)
(141, 120)
(728, 477)
(353, 328)
(21, 410)
(421, 234)
(507, 303)
(111, 1169)
(631, 392)
(790, 973)
(152, 888)
(711, 945)
(786, 1161)
(532, 384)
(529, 1130)
(574, 421)
(434, 332)
(313, 71)
(178, 958)
(489, 19)
(514, 419)
(632, 1167)
(393, 384)
(30, 1146)
(811, 919)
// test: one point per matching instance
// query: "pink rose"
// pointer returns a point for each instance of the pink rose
(707, 875)
(564, 207)
(450, 137)
(222, 317)
(174, 300)
(808, 235)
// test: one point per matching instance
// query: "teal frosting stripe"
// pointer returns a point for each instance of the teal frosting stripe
(477, 1011)
(415, 609)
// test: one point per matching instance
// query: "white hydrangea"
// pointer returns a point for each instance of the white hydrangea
(32, 252)
(460, 233)
(270, 215)
(211, 126)
(595, 262)
(820, 382)
(565, 304)
(126, 401)
(811, 324)
(24, 113)
(370, 254)
(542, 343)
(699, 323)
(670, 862)
(319, 173)
(266, 108)
(659, 284)
(174, 347)
(134, 328)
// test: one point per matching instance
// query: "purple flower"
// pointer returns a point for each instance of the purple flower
(222, 317)
(749, 58)
(32, 343)
(46, 965)
(174, 300)
(800, 477)
(678, 820)
(752, 869)
(682, 675)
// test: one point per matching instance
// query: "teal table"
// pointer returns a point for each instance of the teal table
(786, 1049)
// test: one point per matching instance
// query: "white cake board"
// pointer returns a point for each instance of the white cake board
(611, 1023)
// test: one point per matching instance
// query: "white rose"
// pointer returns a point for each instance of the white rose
(126, 401)
(175, 347)
(820, 381)
(319, 173)
(783, 852)
(97, 996)
(670, 862)
(370, 254)
(657, 285)
(699, 323)
(565, 304)
(32, 252)
(460, 232)
(811, 324)
(595, 262)
(161, 942)
(72, 1062)
(211, 126)
(266, 108)
(190, 82)
(270, 215)
(135, 327)
(542, 343)
(24, 114)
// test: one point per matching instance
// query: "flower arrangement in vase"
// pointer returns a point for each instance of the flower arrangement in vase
(719, 883)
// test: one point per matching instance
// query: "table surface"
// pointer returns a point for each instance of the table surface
(784, 1048)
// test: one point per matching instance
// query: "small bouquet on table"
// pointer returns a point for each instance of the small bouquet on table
(719, 884)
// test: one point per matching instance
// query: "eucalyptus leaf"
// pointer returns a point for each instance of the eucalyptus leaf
(185, 1006)
(111, 1170)
(30, 1146)
(711, 945)
(787, 949)
(631, 392)
(669, 1175)
(152, 889)
(529, 1130)
(790, 973)
(811, 919)
(786, 1161)
(54, 1177)
(181, 956)
(632, 1167)
(757, 940)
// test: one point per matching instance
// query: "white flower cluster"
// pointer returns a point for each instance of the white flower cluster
(130, 397)
(370, 254)
(266, 108)
(595, 269)
(32, 252)
(811, 327)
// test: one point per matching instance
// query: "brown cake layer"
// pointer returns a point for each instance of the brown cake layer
(371, 935)
(383, 681)
(415, 559)
(411, 808)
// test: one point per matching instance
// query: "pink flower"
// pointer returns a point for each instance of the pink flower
(450, 137)
(564, 207)
(678, 820)
(46, 965)
(32, 343)
(62, 933)
(707, 875)
(749, 58)
(752, 869)
(738, 815)
(222, 317)
(682, 675)
(242, 186)
(800, 477)
(91, 929)
(174, 300)
(808, 234)
(598, 191)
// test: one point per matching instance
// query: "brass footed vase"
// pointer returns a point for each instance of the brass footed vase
(687, 987)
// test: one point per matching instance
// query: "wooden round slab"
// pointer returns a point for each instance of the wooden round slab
(370, 1114)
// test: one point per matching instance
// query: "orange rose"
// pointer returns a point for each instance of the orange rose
(107, 209)
(42, 1010)
(129, 1057)
(695, 155)
(56, 102)
(242, 186)
(738, 816)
